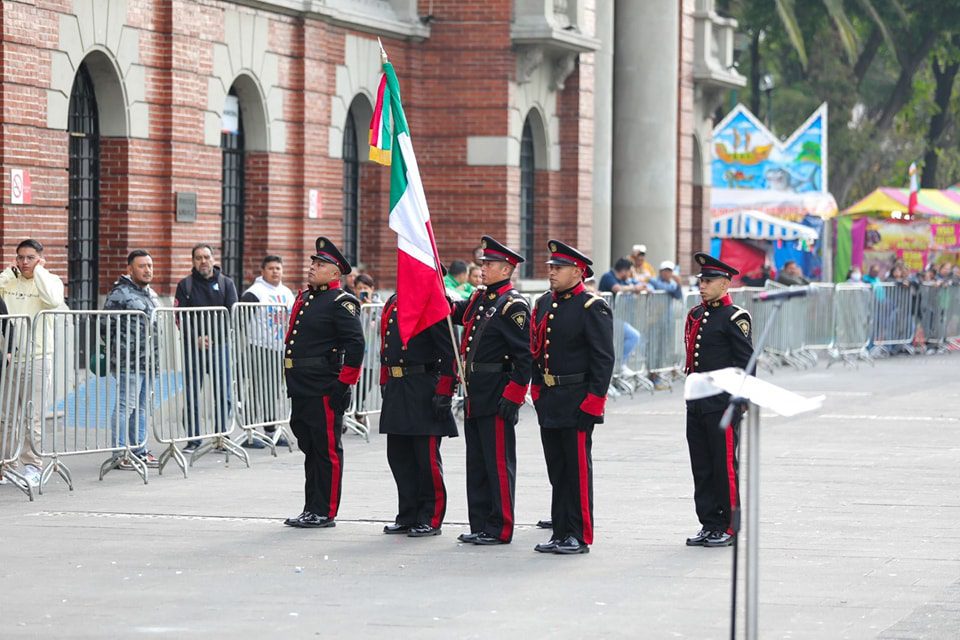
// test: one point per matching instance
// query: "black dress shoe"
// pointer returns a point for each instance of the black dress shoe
(423, 531)
(313, 521)
(544, 524)
(468, 537)
(295, 520)
(485, 538)
(698, 539)
(571, 546)
(718, 539)
(397, 528)
(547, 547)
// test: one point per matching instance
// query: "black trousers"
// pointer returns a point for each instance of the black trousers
(491, 475)
(318, 429)
(569, 457)
(418, 471)
(713, 460)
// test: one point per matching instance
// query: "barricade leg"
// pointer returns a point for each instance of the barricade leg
(18, 479)
(129, 424)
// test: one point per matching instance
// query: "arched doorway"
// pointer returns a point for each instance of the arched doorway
(351, 191)
(83, 203)
(528, 195)
(232, 188)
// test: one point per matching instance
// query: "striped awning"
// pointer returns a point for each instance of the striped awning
(756, 225)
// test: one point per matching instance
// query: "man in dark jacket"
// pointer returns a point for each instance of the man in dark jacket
(496, 353)
(128, 351)
(323, 355)
(573, 363)
(204, 340)
(717, 334)
(418, 380)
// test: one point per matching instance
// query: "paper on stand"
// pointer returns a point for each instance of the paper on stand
(761, 393)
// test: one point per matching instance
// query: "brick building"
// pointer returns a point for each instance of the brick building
(161, 123)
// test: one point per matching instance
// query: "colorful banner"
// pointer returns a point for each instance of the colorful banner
(748, 156)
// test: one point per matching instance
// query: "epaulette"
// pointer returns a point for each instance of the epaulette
(346, 294)
(740, 311)
(510, 302)
(593, 298)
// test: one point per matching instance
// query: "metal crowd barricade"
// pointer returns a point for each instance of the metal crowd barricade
(15, 388)
(93, 384)
(366, 399)
(952, 322)
(853, 322)
(261, 402)
(664, 328)
(630, 371)
(818, 320)
(893, 317)
(196, 381)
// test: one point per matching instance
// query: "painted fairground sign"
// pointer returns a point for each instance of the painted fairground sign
(746, 155)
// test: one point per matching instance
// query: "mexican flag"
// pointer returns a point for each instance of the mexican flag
(421, 298)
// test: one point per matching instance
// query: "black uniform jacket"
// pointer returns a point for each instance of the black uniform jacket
(573, 338)
(717, 335)
(495, 347)
(324, 341)
(408, 398)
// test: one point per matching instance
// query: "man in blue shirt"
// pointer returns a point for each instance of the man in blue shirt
(668, 281)
(619, 280)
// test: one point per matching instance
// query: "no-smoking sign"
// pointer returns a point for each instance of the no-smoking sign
(20, 192)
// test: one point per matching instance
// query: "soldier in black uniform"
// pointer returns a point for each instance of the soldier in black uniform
(717, 335)
(323, 355)
(496, 353)
(573, 362)
(418, 380)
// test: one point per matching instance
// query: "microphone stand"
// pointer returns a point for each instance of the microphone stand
(737, 402)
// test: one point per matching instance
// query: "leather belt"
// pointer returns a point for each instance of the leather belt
(559, 381)
(291, 363)
(489, 367)
(400, 372)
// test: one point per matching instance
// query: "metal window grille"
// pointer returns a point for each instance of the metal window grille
(527, 196)
(231, 198)
(351, 193)
(83, 237)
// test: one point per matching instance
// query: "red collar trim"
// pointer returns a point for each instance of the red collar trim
(502, 290)
(578, 289)
(725, 301)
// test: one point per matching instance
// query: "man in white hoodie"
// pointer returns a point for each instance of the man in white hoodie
(268, 288)
(28, 288)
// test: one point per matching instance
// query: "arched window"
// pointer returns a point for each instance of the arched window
(527, 197)
(231, 195)
(351, 192)
(83, 237)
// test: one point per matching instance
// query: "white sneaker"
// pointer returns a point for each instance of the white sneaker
(32, 474)
(627, 372)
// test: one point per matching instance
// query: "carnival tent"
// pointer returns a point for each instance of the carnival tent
(886, 200)
(756, 225)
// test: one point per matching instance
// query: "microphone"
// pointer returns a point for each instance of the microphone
(783, 294)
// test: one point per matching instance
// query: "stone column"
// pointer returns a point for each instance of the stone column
(645, 71)
(603, 137)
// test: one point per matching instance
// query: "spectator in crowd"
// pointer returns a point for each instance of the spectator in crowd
(364, 286)
(475, 276)
(268, 335)
(478, 256)
(620, 280)
(642, 270)
(945, 273)
(28, 288)
(758, 278)
(668, 281)
(898, 274)
(206, 286)
(792, 274)
(455, 282)
(131, 292)
(853, 275)
(873, 275)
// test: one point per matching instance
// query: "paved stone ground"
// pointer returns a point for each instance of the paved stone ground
(860, 537)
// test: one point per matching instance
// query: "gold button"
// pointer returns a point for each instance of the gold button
(403, 348)
(548, 342)
(300, 314)
(554, 305)
(550, 316)
(294, 332)
(704, 321)
(506, 357)
(546, 355)
(469, 338)
(480, 308)
(549, 329)
(311, 296)
(306, 304)
(388, 333)
(706, 313)
(698, 345)
(291, 341)
(696, 354)
(390, 321)
(401, 360)
(289, 351)
(468, 348)
(334, 350)
(696, 364)
(297, 322)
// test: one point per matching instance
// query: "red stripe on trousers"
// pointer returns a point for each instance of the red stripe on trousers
(439, 495)
(507, 532)
(731, 473)
(584, 487)
(334, 459)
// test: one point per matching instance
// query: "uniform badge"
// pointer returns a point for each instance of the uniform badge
(701, 260)
(553, 247)
(483, 244)
(351, 307)
(321, 243)
(744, 325)
(520, 318)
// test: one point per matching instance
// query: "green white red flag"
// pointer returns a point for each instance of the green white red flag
(421, 298)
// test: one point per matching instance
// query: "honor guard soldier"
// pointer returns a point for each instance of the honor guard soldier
(717, 334)
(417, 379)
(573, 363)
(322, 359)
(496, 354)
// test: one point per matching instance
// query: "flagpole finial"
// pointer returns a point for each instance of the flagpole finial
(383, 53)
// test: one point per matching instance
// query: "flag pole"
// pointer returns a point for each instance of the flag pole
(436, 258)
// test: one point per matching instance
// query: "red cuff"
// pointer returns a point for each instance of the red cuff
(593, 404)
(349, 375)
(535, 392)
(445, 386)
(515, 393)
(383, 375)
